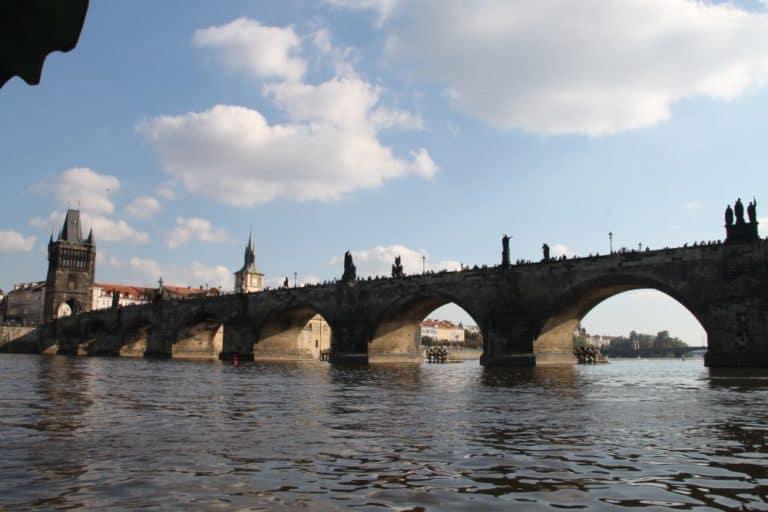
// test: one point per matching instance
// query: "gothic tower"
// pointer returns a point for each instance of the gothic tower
(71, 269)
(249, 279)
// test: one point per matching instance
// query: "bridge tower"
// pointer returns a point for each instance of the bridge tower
(71, 270)
(249, 279)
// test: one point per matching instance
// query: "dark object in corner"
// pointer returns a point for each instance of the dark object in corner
(31, 29)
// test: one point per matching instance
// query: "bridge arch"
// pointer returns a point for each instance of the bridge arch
(200, 336)
(395, 335)
(69, 307)
(553, 345)
(299, 331)
(661, 313)
(136, 332)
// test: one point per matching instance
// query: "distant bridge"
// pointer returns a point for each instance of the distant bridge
(681, 350)
(526, 312)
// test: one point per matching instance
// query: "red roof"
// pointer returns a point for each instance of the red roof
(183, 290)
(138, 292)
(438, 324)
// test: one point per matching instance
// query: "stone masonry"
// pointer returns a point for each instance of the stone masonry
(526, 312)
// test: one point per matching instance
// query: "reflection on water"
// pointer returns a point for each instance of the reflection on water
(123, 434)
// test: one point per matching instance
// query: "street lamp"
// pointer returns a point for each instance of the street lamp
(423, 264)
(295, 277)
(610, 241)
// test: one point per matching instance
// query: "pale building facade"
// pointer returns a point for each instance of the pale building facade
(442, 330)
(315, 337)
(24, 304)
(103, 295)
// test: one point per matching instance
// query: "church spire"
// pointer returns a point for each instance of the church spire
(250, 256)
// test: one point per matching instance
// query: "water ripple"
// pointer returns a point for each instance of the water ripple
(122, 434)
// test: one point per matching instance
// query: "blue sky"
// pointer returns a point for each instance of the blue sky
(388, 127)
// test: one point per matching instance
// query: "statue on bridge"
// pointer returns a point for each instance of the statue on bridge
(505, 251)
(115, 299)
(397, 268)
(738, 209)
(545, 250)
(736, 229)
(729, 216)
(350, 271)
(160, 294)
(286, 284)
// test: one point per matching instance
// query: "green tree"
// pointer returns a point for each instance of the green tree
(427, 341)
(473, 339)
(580, 340)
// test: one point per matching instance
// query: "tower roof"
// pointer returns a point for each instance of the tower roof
(71, 230)
(249, 259)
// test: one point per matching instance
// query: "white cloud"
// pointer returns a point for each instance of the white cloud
(12, 241)
(53, 222)
(84, 189)
(385, 118)
(329, 145)
(378, 261)
(558, 250)
(384, 8)
(111, 230)
(194, 228)
(107, 259)
(88, 191)
(233, 155)
(585, 67)
(166, 191)
(104, 228)
(278, 281)
(308, 280)
(143, 207)
(146, 272)
(247, 45)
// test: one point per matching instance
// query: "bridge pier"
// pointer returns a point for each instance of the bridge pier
(401, 344)
(238, 340)
(349, 345)
(555, 342)
(737, 334)
(508, 341)
(160, 344)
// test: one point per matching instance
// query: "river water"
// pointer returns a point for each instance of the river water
(120, 434)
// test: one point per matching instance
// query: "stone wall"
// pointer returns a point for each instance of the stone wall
(23, 339)
(526, 312)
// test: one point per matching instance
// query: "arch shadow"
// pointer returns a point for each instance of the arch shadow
(200, 336)
(135, 336)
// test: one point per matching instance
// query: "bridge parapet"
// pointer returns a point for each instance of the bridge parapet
(526, 312)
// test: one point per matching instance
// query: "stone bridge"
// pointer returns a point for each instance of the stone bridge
(526, 312)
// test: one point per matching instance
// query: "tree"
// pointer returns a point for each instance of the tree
(473, 339)
(580, 340)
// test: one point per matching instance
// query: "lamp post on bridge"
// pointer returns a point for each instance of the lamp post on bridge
(610, 241)
(423, 264)
(295, 279)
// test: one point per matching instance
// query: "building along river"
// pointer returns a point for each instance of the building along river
(121, 434)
